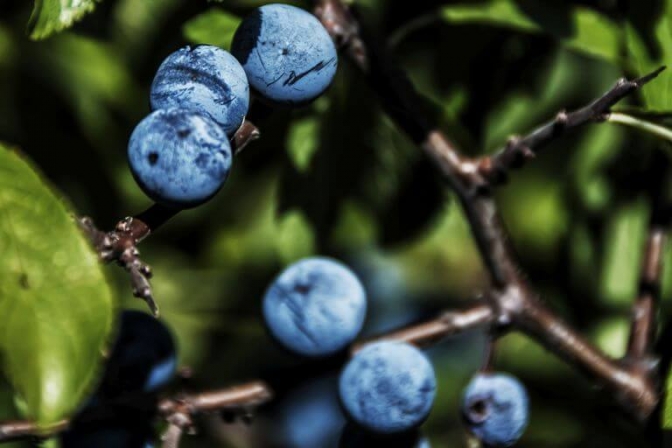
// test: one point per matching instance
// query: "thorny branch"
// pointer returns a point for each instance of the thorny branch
(120, 244)
(179, 411)
(513, 302)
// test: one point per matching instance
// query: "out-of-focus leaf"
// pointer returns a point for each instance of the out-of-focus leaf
(56, 305)
(658, 94)
(50, 16)
(295, 238)
(536, 212)
(666, 279)
(194, 302)
(302, 142)
(591, 32)
(595, 149)
(444, 258)
(611, 335)
(584, 258)
(355, 228)
(625, 235)
(526, 355)
(667, 406)
(525, 107)
(137, 23)
(213, 27)
(89, 69)
(93, 77)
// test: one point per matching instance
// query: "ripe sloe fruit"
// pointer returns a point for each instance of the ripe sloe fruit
(180, 158)
(206, 79)
(287, 54)
(388, 387)
(495, 408)
(315, 307)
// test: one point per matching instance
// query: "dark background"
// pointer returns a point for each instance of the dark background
(336, 178)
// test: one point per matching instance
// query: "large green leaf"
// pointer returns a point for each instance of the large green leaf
(583, 29)
(213, 27)
(55, 303)
(50, 16)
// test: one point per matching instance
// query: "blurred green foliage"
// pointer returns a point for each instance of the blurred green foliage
(337, 178)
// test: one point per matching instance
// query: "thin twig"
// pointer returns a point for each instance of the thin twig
(519, 149)
(643, 328)
(240, 400)
(430, 332)
(644, 321)
(17, 430)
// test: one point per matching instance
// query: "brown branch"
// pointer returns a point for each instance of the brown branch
(642, 350)
(20, 429)
(515, 303)
(243, 397)
(431, 332)
(520, 149)
(120, 244)
(643, 328)
(178, 411)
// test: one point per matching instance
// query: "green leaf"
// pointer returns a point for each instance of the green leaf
(302, 142)
(51, 16)
(213, 27)
(295, 238)
(658, 94)
(625, 237)
(667, 406)
(587, 31)
(56, 306)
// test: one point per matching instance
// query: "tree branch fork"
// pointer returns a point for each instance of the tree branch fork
(509, 303)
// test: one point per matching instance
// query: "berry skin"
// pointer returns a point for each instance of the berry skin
(315, 307)
(143, 358)
(206, 79)
(287, 54)
(179, 158)
(495, 408)
(388, 387)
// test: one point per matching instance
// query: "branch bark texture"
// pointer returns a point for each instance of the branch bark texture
(514, 303)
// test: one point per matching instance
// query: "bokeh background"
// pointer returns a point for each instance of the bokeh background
(338, 179)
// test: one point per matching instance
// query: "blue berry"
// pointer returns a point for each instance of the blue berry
(310, 416)
(315, 307)
(206, 79)
(287, 54)
(179, 157)
(143, 358)
(388, 387)
(495, 408)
